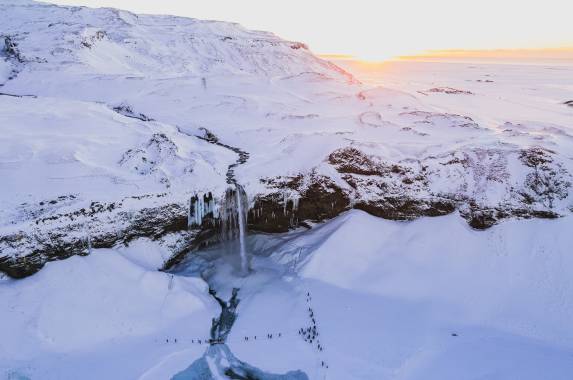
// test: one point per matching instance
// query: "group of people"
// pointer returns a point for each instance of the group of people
(197, 341)
(310, 334)
(174, 340)
(219, 341)
(269, 336)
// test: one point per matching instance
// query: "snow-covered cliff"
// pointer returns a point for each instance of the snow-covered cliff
(113, 121)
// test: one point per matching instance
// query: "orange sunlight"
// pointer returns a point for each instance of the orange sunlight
(555, 55)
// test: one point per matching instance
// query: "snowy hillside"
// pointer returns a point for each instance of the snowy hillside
(433, 210)
(310, 130)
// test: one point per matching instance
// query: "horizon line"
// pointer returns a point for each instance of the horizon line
(563, 52)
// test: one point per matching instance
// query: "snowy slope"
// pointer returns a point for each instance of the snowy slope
(112, 123)
(388, 296)
(71, 318)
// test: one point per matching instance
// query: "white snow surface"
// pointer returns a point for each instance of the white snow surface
(99, 316)
(387, 295)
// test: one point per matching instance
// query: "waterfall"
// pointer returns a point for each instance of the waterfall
(242, 219)
(233, 216)
(231, 213)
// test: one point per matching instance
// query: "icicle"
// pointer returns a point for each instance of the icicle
(88, 239)
(200, 205)
(192, 216)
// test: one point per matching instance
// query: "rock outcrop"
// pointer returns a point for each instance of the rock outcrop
(406, 190)
(101, 225)
(317, 198)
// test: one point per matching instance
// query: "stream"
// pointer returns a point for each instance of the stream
(218, 362)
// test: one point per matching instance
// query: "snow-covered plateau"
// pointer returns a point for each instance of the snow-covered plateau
(190, 199)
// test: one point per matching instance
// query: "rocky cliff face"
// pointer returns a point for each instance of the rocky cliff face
(316, 198)
(102, 225)
(390, 191)
(405, 190)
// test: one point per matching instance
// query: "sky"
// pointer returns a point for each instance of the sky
(381, 29)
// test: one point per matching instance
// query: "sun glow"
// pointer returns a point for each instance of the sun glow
(554, 56)
(378, 56)
(382, 30)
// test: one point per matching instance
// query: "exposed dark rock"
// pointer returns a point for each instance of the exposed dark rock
(90, 41)
(547, 182)
(569, 103)
(50, 247)
(536, 157)
(298, 45)
(154, 223)
(127, 111)
(450, 91)
(11, 49)
(209, 136)
(353, 161)
(35, 249)
(405, 208)
(397, 191)
(481, 218)
(382, 189)
(319, 200)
